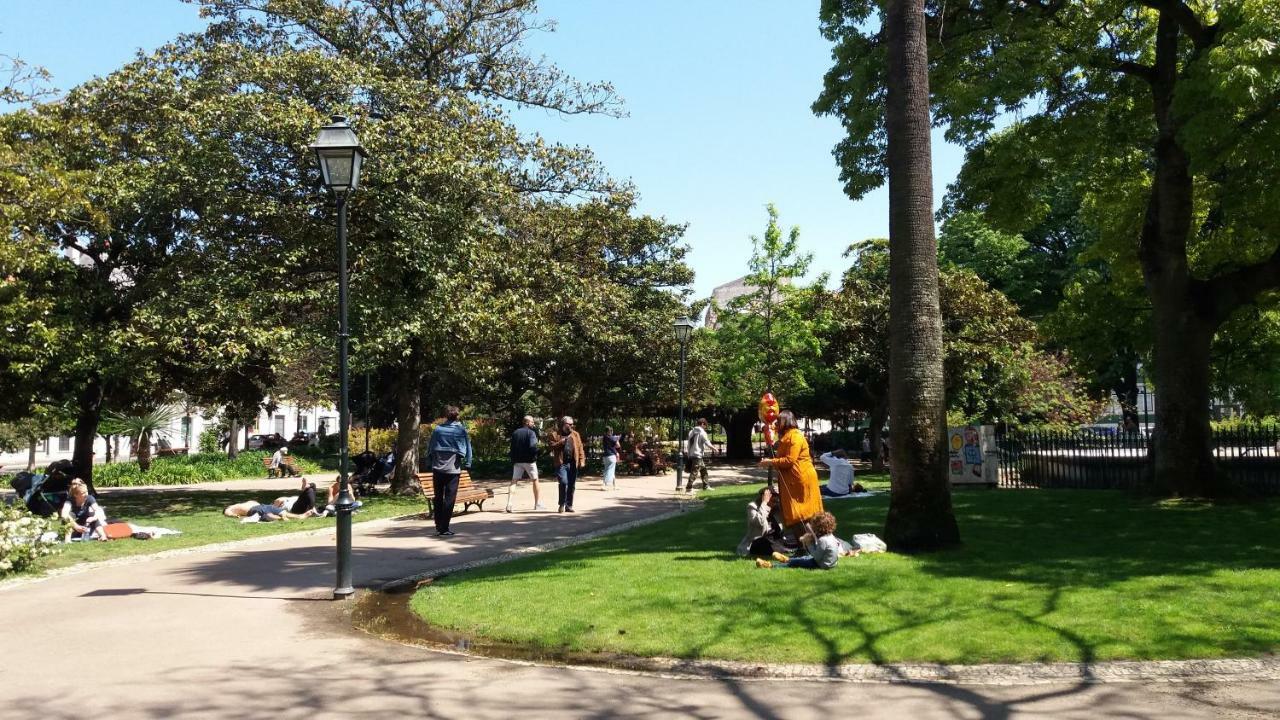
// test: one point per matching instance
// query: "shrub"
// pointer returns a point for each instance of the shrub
(184, 470)
(20, 544)
(209, 440)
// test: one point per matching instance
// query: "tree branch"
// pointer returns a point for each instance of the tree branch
(1202, 36)
(1230, 291)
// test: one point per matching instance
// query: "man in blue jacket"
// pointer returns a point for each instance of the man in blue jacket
(449, 454)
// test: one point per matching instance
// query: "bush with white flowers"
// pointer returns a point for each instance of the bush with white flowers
(21, 533)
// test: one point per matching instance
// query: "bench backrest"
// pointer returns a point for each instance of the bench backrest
(464, 482)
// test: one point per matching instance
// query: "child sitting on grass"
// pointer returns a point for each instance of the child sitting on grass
(823, 547)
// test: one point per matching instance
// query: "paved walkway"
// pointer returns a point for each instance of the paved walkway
(250, 633)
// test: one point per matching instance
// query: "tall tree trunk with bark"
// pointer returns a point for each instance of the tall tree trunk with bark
(879, 412)
(408, 388)
(920, 515)
(233, 433)
(1185, 314)
(144, 451)
(88, 418)
(737, 433)
(31, 455)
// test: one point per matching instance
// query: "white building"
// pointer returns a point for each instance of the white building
(285, 419)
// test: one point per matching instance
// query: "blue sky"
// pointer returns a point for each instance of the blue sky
(717, 94)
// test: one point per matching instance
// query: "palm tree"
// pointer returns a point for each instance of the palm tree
(920, 513)
(141, 429)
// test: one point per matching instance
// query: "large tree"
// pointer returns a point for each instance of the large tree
(766, 339)
(920, 515)
(1166, 111)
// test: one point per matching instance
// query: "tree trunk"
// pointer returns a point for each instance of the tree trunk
(878, 413)
(144, 451)
(1126, 390)
(1183, 321)
(738, 435)
(409, 419)
(31, 455)
(232, 432)
(86, 432)
(920, 514)
(1182, 440)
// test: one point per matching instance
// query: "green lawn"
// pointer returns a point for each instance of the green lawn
(199, 516)
(1043, 576)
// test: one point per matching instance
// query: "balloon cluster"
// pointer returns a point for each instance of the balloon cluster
(768, 412)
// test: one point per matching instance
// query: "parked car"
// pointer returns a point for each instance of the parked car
(270, 441)
(302, 438)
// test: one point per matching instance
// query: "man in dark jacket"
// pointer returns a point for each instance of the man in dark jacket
(449, 454)
(524, 460)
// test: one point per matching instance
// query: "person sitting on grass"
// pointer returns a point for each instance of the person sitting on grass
(841, 482)
(761, 526)
(823, 547)
(336, 489)
(84, 513)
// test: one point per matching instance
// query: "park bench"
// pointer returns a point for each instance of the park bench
(171, 452)
(266, 465)
(468, 493)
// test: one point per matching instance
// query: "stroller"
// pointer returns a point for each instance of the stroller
(371, 470)
(44, 494)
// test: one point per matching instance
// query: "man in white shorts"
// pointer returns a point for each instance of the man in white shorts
(524, 460)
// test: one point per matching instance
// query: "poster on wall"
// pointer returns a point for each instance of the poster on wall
(968, 450)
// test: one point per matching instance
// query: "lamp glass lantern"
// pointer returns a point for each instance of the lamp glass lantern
(684, 328)
(340, 155)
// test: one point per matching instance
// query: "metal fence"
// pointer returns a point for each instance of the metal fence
(1088, 459)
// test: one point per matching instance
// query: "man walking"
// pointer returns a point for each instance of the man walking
(569, 456)
(696, 447)
(448, 455)
(524, 460)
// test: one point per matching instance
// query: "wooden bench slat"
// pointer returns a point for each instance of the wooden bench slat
(468, 493)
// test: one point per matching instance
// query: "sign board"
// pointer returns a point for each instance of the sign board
(971, 455)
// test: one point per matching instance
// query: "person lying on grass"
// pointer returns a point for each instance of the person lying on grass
(823, 547)
(84, 514)
(254, 511)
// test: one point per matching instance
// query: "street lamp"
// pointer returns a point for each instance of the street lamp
(684, 328)
(340, 156)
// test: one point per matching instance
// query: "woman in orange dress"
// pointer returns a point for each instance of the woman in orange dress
(797, 478)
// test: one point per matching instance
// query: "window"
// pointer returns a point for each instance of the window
(302, 423)
(64, 443)
(279, 421)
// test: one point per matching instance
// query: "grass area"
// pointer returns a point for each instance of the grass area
(199, 516)
(187, 469)
(1043, 576)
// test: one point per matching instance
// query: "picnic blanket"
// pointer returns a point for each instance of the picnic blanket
(867, 494)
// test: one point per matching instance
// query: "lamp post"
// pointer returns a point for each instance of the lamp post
(340, 156)
(684, 328)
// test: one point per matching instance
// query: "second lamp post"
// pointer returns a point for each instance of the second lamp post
(340, 156)
(684, 328)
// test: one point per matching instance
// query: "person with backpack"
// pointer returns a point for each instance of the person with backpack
(696, 445)
(448, 454)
